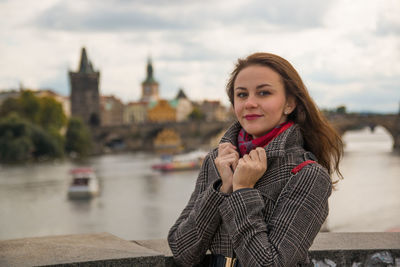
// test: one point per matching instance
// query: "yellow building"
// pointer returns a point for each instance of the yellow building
(161, 111)
(168, 142)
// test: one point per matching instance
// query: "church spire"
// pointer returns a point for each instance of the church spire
(149, 85)
(85, 65)
(149, 77)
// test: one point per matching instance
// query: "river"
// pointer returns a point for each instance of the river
(139, 203)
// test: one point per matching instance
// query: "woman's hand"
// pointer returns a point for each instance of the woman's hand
(226, 163)
(250, 168)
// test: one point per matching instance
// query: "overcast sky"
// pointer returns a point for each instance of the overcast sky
(347, 51)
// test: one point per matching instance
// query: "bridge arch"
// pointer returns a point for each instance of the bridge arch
(357, 121)
(193, 134)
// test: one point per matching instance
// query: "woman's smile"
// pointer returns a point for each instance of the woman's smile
(251, 117)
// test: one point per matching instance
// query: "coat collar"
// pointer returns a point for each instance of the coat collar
(278, 147)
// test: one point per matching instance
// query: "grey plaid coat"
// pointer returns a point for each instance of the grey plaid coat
(273, 224)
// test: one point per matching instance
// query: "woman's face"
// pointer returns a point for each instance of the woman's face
(260, 102)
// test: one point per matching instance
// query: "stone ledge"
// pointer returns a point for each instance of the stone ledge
(72, 250)
(357, 241)
(329, 249)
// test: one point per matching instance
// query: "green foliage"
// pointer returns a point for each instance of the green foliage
(77, 139)
(45, 145)
(51, 114)
(45, 111)
(10, 105)
(20, 140)
(29, 106)
(15, 142)
(30, 128)
(341, 110)
(196, 115)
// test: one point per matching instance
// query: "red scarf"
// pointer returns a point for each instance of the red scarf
(247, 143)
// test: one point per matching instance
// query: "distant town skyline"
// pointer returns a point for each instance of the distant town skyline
(347, 52)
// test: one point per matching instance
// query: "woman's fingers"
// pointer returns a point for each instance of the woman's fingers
(250, 169)
(254, 154)
(228, 159)
(261, 154)
(246, 158)
(226, 148)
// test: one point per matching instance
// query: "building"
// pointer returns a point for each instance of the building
(85, 96)
(214, 111)
(183, 107)
(135, 112)
(168, 141)
(112, 111)
(149, 85)
(162, 111)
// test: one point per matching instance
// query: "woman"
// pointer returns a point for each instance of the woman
(262, 195)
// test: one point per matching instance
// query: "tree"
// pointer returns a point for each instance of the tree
(10, 105)
(29, 106)
(15, 142)
(21, 140)
(45, 111)
(51, 114)
(45, 144)
(77, 138)
(341, 110)
(196, 115)
(52, 118)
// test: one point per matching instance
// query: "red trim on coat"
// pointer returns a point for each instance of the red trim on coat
(301, 166)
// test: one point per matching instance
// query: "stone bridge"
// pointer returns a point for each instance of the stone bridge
(193, 134)
(391, 122)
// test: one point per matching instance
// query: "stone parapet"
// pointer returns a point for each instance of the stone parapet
(329, 249)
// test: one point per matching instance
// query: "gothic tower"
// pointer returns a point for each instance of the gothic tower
(85, 99)
(150, 85)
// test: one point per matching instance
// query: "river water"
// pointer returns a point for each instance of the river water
(139, 203)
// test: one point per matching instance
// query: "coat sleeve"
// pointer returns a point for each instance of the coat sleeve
(191, 235)
(299, 213)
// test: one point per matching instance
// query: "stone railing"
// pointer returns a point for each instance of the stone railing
(329, 249)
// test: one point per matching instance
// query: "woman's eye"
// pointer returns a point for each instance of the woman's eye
(263, 93)
(241, 95)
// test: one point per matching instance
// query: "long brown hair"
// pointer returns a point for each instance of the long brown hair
(320, 137)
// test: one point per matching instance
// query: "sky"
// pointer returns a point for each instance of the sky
(346, 51)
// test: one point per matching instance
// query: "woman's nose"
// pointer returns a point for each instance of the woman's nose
(250, 102)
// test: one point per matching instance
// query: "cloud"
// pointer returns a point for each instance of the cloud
(388, 21)
(102, 18)
(283, 14)
(340, 48)
(160, 15)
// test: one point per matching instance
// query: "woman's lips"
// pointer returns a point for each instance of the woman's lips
(252, 116)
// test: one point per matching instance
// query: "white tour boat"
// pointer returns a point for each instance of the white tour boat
(84, 183)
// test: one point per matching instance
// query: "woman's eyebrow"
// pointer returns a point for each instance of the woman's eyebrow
(257, 88)
(263, 85)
